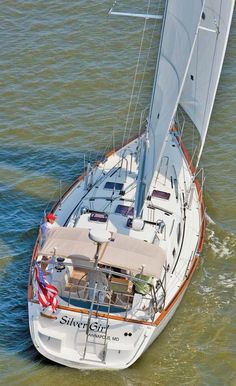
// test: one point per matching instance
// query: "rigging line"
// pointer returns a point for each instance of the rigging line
(144, 71)
(141, 84)
(113, 136)
(101, 149)
(135, 77)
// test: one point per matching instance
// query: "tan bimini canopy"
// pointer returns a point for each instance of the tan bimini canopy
(124, 252)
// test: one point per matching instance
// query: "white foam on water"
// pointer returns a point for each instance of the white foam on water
(209, 219)
(222, 248)
(227, 282)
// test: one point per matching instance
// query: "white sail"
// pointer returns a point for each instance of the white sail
(204, 71)
(180, 26)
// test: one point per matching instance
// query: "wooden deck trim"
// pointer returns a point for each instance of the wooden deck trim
(48, 316)
(100, 314)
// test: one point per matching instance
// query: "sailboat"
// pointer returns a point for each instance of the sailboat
(108, 278)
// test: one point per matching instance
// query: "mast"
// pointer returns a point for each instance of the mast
(179, 33)
(141, 189)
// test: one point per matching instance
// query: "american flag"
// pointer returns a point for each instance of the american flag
(47, 293)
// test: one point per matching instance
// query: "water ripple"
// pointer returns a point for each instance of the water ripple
(66, 78)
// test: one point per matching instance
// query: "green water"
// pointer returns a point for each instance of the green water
(66, 75)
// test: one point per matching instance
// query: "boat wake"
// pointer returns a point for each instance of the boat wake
(209, 219)
(222, 244)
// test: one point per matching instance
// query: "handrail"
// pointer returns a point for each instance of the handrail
(113, 299)
(113, 296)
(108, 271)
(89, 319)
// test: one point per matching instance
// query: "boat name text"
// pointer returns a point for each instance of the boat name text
(95, 326)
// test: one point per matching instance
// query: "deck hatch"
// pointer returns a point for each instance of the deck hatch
(161, 194)
(113, 185)
(98, 217)
(124, 210)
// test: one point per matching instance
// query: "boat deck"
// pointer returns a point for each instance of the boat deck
(170, 220)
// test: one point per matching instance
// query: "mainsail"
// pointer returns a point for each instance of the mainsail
(201, 83)
(179, 32)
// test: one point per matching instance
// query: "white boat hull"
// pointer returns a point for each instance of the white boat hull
(64, 339)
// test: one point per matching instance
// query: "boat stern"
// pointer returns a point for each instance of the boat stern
(76, 340)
